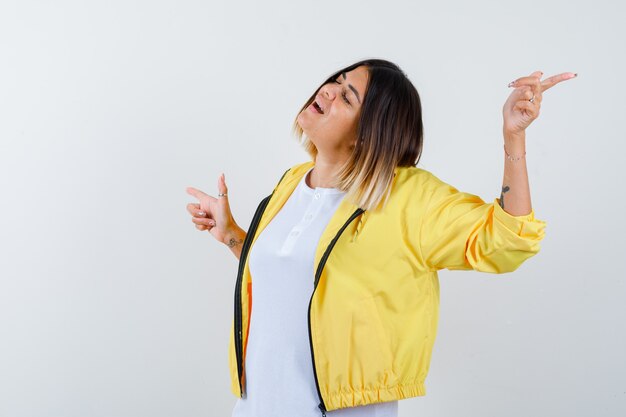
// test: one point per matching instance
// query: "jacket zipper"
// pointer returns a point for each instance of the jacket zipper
(318, 274)
(242, 260)
(254, 224)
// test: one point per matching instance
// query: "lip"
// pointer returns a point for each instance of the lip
(321, 103)
(314, 110)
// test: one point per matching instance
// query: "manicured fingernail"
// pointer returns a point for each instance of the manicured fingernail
(201, 213)
(511, 83)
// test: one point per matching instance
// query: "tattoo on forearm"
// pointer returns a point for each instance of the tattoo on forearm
(504, 190)
(234, 242)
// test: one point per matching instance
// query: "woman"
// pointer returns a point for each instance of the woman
(345, 275)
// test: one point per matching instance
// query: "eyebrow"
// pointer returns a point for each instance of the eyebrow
(356, 93)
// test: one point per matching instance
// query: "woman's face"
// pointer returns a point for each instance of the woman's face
(334, 129)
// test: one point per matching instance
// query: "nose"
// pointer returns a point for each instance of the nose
(328, 91)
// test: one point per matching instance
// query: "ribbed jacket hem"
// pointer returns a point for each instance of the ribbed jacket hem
(370, 396)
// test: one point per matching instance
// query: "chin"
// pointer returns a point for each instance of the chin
(303, 121)
(304, 125)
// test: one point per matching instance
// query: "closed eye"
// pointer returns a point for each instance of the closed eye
(343, 94)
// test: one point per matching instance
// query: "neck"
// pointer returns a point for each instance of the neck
(323, 173)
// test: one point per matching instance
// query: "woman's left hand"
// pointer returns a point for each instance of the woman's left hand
(518, 110)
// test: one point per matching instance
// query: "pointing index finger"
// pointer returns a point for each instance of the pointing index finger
(555, 79)
(196, 193)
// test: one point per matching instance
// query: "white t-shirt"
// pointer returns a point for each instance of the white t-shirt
(279, 367)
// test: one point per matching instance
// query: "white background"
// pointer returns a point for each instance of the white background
(113, 304)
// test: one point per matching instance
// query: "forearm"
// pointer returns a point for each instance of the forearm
(234, 240)
(515, 194)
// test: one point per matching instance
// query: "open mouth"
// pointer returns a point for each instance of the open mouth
(317, 107)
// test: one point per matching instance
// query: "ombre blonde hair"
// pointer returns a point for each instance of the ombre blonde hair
(389, 134)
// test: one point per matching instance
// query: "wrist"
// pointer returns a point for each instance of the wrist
(234, 236)
(514, 155)
(514, 138)
(515, 144)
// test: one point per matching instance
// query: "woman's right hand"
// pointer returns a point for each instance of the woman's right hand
(212, 214)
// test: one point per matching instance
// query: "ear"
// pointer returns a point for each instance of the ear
(354, 142)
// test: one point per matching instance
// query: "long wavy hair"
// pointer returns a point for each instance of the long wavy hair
(389, 133)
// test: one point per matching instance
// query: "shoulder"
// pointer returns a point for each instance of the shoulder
(414, 188)
(415, 177)
(295, 171)
(300, 167)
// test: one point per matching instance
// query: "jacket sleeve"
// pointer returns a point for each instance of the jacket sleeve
(461, 231)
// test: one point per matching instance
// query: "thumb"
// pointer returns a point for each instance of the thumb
(222, 189)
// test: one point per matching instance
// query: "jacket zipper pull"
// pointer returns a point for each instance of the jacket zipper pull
(321, 407)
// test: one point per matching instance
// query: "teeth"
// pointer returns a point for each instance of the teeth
(319, 107)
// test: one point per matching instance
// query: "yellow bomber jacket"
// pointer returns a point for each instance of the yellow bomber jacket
(373, 312)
